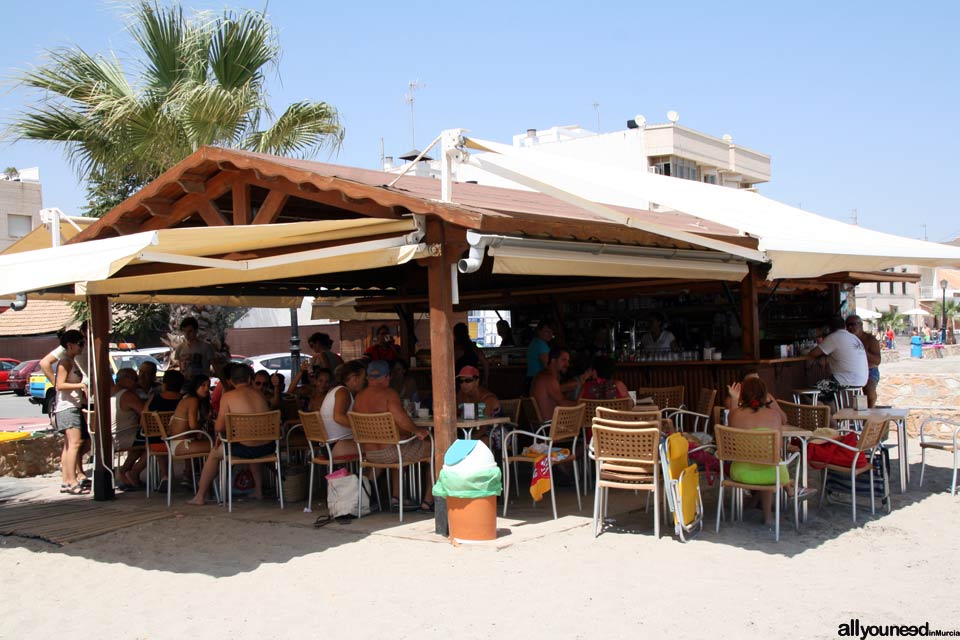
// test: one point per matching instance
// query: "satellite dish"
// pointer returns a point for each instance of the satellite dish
(727, 138)
(673, 116)
(640, 120)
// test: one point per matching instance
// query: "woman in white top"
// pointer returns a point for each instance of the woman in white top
(338, 402)
(68, 413)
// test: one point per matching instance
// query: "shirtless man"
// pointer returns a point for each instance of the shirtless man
(380, 397)
(546, 388)
(243, 398)
(872, 346)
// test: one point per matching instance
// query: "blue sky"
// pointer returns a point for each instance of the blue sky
(855, 101)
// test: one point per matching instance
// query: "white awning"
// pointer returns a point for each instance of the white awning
(91, 265)
(800, 244)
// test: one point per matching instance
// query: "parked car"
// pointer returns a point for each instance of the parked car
(20, 376)
(41, 389)
(272, 362)
(7, 365)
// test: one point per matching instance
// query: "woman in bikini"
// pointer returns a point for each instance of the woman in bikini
(191, 413)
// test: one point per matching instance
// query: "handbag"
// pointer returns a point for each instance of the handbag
(342, 494)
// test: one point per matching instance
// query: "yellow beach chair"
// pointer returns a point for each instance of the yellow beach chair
(682, 480)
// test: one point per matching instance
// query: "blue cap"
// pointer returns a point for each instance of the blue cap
(378, 369)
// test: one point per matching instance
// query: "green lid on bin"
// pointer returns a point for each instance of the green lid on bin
(459, 450)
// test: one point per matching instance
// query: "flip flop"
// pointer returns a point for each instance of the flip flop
(75, 490)
(426, 507)
(408, 505)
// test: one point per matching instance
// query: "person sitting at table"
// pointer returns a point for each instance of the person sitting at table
(338, 402)
(383, 348)
(242, 399)
(378, 397)
(604, 386)
(466, 353)
(126, 407)
(469, 390)
(191, 414)
(322, 382)
(734, 390)
(656, 338)
(166, 400)
(147, 384)
(547, 389)
(754, 411)
(402, 382)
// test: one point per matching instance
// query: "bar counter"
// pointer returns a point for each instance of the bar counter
(781, 375)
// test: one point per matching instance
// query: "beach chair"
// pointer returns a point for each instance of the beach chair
(681, 481)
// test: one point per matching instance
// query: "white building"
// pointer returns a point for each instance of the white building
(20, 204)
(666, 148)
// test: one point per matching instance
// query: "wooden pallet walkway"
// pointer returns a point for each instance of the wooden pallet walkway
(64, 521)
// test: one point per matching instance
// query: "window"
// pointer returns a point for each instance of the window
(18, 226)
(878, 288)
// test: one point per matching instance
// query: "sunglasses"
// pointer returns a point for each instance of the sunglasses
(258, 383)
(462, 380)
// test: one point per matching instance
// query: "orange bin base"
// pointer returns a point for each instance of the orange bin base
(472, 518)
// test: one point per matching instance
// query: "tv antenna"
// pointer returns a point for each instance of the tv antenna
(409, 98)
(596, 107)
(853, 217)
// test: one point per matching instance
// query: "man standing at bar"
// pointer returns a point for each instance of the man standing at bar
(846, 356)
(872, 347)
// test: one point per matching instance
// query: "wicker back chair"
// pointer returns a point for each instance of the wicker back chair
(627, 458)
(639, 414)
(315, 433)
(664, 397)
(756, 446)
(806, 416)
(530, 412)
(154, 424)
(510, 408)
(251, 427)
(705, 401)
(381, 428)
(617, 404)
(565, 427)
(868, 446)
(155, 421)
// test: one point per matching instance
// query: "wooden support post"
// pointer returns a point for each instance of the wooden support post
(441, 344)
(408, 345)
(100, 351)
(750, 315)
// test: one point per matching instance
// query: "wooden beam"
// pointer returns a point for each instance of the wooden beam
(100, 349)
(158, 206)
(750, 314)
(441, 345)
(241, 203)
(211, 214)
(193, 182)
(271, 207)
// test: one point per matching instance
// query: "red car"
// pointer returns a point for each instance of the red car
(6, 366)
(19, 380)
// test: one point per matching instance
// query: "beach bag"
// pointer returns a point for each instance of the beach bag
(243, 481)
(828, 453)
(342, 494)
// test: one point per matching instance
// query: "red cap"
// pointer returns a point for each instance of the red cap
(469, 372)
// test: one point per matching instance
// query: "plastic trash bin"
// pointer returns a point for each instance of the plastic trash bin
(470, 481)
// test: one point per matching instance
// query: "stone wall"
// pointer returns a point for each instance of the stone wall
(31, 456)
(929, 395)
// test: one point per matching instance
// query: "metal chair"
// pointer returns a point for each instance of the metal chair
(943, 445)
(564, 427)
(667, 398)
(381, 428)
(153, 427)
(757, 446)
(315, 432)
(699, 416)
(806, 416)
(627, 458)
(868, 446)
(616, 404)
(170, 442)
(251, 427)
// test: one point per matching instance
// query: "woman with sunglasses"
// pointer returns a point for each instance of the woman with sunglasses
(68, 412)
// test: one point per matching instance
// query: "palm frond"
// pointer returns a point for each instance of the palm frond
(211, 114)
(241, 46)
(174, 48)
(76, 75)
(302, 130)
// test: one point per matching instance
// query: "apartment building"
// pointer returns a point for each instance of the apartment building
(20, 204)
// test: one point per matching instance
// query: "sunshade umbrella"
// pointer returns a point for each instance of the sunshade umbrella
(867, 314)
(915, 312)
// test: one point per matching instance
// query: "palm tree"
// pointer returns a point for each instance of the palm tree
(892, 318)
(952, 308)
(199, 80)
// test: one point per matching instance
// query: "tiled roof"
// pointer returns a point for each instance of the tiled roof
(39, 317)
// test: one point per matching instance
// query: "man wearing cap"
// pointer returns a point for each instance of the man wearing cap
(469, 390)
(872, 347)
(380, 397)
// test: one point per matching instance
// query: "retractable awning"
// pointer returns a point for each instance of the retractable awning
(799, 244)
(212, 256)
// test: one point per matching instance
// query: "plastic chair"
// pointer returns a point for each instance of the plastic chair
(153, 427)
(666, 398)
(626, 459)
(682, 484)
(564, 427)
(868, 446)
(251, 427)
(943, 445)
(616, 404)
(381, 428)
(171, 442)
(758, 447)
(315, 432)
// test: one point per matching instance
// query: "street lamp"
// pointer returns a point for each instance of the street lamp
(943, 313)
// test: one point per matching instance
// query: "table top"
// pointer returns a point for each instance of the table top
(789, 431)
(807, 390)
(464, 424)
(872, 414)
